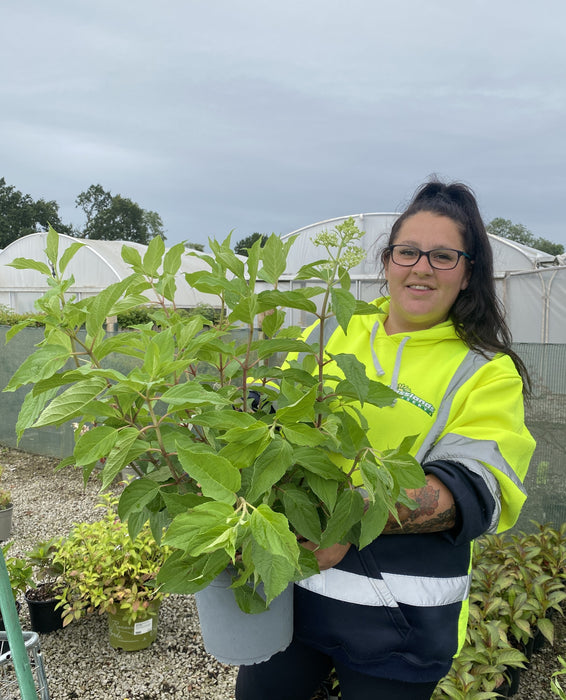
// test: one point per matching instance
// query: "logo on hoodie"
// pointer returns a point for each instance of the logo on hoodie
(406, 394)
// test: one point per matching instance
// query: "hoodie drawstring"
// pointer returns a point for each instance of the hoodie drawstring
(397, 367)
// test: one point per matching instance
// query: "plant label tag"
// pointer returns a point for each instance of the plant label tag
(143, 627)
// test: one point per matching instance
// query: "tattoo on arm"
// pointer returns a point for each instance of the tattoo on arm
(432, 514)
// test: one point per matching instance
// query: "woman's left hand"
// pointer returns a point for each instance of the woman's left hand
(329, 556)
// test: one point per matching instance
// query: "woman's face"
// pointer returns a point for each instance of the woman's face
(422, 296)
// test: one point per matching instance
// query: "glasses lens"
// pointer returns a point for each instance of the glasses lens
(443, 258)
(405, 255)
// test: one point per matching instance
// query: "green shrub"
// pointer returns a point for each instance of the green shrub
(8, 317)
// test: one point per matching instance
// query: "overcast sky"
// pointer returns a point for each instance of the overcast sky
(268, 116)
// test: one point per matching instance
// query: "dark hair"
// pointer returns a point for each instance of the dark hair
(477, 313)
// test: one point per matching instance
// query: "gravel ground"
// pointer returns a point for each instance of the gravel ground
(79, 662)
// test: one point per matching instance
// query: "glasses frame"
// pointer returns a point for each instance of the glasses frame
(427, 253)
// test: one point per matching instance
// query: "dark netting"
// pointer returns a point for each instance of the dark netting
(545, 417)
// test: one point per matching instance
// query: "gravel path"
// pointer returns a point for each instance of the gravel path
(79, 661)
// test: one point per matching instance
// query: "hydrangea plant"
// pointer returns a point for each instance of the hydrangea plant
(237, 453)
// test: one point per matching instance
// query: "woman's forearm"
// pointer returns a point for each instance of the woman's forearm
(435, 511)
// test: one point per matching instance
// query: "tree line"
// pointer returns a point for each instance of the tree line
(111, 217)
(108, 217)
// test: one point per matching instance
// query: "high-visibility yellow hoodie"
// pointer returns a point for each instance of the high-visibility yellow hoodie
(398, 607)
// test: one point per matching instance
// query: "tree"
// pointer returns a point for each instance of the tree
(195, 246)
(116, 218)
(241, 247)
(521, 234)
(21, 215)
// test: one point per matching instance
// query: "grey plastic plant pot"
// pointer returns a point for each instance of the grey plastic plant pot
(6, 523)
(238, 638)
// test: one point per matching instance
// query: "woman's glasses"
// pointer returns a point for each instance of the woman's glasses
(439, 258)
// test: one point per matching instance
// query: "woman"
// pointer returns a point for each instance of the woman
(391, 617)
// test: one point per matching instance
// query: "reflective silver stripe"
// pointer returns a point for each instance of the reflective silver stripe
(493, 487)
(454, 446)
(420, 591)
(468, 367)
(428, 591)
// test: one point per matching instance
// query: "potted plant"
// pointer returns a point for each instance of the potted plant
(6, 510)
(20, 573)
(237, 454)
(42, 595)
(107, 571)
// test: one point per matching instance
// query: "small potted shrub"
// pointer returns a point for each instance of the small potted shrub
(6, 510)
(107, 571)
(20, 573)
(42, 596)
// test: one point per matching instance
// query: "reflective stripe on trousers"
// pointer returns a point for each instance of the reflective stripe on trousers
(420, 591)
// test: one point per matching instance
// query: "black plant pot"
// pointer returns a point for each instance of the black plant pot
(513, 675)
(4, 644)
(539, 642)
(2, 625)
(43, 616)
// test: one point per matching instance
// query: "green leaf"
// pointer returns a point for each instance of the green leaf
(185, 576)
(249, 601)
(365, 309)
(41, 364)
(373, 522)
(274, 256)
(253, 434)
(301, 410)
(94, 444)
(271, 531)
(203, 517)
(224, 419)
(172, 259)
(69, 254)
(407, 471)
(318, 463)
(100, 305)
(380, 395)
(191, 394)
(275, 571)
(177, 503)
(273, 345)
(295, 299)
(348, 511)
(27, 264)
(153, 256)
(301, 434)
(546, 626)
(268, 468)
(355, 373)
(218, 478)
(125, 450)
(272, 322)
(136, 496)
(131, 256)
(325, 489)
(343, 305)
(52, 249)
(71, 403)
(301, 512)
(31, 409)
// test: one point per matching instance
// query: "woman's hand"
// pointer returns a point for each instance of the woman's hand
(329, 556)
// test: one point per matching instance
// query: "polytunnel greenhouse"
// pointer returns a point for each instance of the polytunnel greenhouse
(96, 265)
